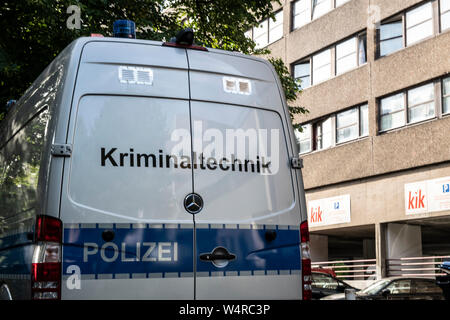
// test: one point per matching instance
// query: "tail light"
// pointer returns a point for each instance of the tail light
(306, 261)
(46, 264)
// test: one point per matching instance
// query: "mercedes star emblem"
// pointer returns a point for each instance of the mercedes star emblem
(193, 203)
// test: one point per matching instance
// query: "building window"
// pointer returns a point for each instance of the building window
(391, 37)
(419, 102)
(323, 134)
(304, 138)
(351, 53)
(268, 31)
(445, 14)
(276, 27)
(321, 66)
(352, 124)
(302, 13)
(419, 23)
(302, 73)
(392, 112)
(320, 7)
(260, 34)
(446, 95)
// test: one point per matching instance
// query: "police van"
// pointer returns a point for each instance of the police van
(135, 169)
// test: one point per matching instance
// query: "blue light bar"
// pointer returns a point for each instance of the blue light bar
(124, 29)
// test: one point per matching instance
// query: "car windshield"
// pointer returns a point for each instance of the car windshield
(375, 287)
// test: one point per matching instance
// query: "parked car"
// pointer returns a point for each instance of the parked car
(397, 288)
(444, 281)
(325, 283)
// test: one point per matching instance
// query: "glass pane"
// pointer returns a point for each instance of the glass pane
(322, 66)
(305, 82)
(260, 34)
(446, 108)
(322, 74)
(347, 134)
(364, 120)
(326, 134)
(276, 27)
(400, 287)
(302, 13)
(322, 58)
(392, 103)
(320, 7)
(421, 94)
(391, 121)
(445, 21)
(304, 138)
(446, 84)
(301, 6)
(421, 112)
(418, 15)
(345, 48)
(389, 46)
(362, 49)
(391, 30)
(301, 70)
(305, 146)
(347, 118)
(423, 286)
(419, 32)
(345, 64)
(445, 5)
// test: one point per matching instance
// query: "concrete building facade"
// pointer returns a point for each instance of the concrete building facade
(376, 141)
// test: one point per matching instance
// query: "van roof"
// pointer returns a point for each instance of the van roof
(83, 40)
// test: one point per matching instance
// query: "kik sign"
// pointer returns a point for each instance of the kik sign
(329, 211)
(427, 196)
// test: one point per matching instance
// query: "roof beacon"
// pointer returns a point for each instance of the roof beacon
(124, 29)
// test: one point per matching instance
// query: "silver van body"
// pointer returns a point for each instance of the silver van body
(137, 124)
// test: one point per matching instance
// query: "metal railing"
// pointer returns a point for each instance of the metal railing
(415, 266)
(350, 269)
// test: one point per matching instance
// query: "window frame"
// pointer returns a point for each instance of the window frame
(310, 138)
(406, 27)
(445, 96)
(357, 123)
(395, 19)
(310, 8)
(406, 106)
(267, 25)
(436, 22)
(312, 127)
(304, 61)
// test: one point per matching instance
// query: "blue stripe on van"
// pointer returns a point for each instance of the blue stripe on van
(168, 250)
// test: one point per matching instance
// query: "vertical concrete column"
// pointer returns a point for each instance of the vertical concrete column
(319, 247)
(380, 250)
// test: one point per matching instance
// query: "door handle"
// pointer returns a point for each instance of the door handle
(219, 257)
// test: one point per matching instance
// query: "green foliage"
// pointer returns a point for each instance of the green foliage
(291, 88)
(35, 31)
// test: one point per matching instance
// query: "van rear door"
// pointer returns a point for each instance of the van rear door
(126, 232)
(247, 234)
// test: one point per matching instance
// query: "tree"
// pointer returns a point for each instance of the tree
(34, 32)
